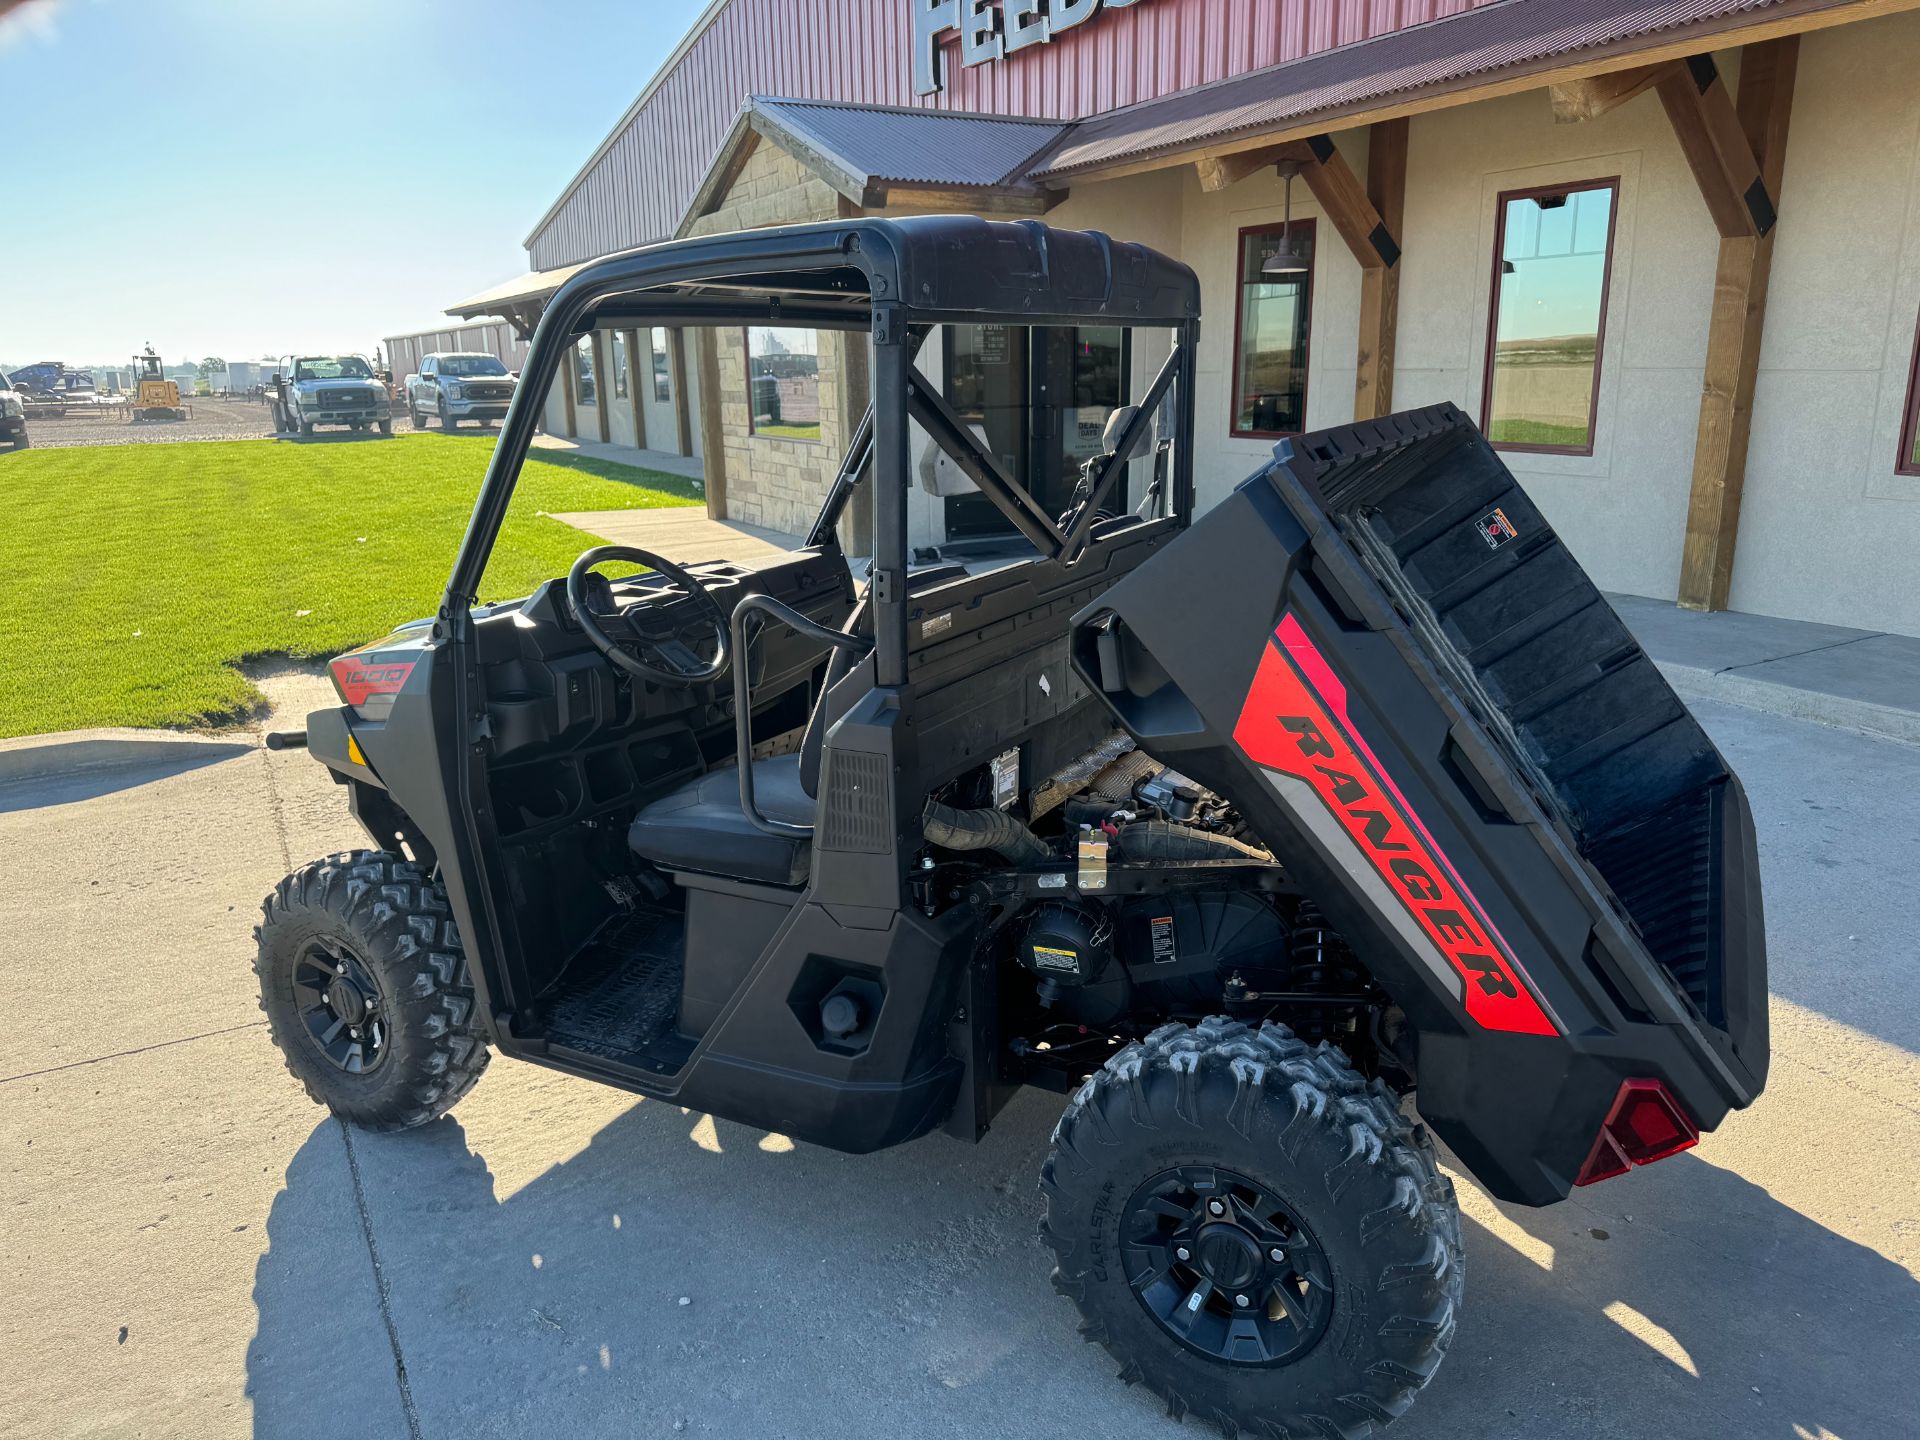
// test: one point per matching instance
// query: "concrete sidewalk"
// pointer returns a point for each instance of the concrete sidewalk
(687, 467)
(1861, 680)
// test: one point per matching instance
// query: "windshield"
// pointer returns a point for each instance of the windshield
(471, 365)
(331, 367)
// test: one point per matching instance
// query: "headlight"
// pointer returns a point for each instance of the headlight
(454, 392)
(10, 404)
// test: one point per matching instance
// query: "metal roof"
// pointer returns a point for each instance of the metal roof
(534, 285)
(1513, 35)
(891, 144)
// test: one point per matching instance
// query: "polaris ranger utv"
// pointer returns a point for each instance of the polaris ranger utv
(1240, 829)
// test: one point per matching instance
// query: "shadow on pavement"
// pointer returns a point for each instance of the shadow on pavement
(168, 759)
(905, 1293)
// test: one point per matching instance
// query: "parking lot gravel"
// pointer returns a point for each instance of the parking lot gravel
(223, 419)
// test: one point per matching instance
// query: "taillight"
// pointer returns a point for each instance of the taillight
(1645, 1124)
(368, 683)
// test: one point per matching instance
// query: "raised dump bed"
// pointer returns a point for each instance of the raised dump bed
(1379, 646)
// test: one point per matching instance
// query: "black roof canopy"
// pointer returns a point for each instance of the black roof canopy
(933, 267)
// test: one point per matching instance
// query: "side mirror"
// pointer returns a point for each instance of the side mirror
(276, 380)
(1117, 424)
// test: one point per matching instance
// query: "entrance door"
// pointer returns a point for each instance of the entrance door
(1040, 398)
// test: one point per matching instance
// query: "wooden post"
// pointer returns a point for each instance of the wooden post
(1734, 331)
(634, 396)
(1379, 283)
(713, 447)
(602, 390)
(677, 379)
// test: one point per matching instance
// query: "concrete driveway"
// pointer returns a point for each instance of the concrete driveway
(189, 1248)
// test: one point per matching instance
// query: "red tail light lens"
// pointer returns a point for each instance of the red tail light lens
(1645, 1124)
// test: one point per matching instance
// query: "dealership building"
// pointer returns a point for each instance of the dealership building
(1665, 252)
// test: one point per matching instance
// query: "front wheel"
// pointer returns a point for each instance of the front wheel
(386, 427)
(366, 991)
(1254, 1232)
(447, 422)
(306, 427)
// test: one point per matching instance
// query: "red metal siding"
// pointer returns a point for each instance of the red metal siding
(860, 50)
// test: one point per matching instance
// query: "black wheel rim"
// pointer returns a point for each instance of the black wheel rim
(1226, 1267)
(341, 1006)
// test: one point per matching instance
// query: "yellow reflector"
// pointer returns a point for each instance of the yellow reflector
(354, 752)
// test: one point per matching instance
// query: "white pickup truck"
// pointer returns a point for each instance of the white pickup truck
(458, 386)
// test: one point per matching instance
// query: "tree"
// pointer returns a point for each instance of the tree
(211, 366)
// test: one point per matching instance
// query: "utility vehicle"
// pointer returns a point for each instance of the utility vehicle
(1243, 829)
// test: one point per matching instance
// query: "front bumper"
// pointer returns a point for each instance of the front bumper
(478, 409)
(365, 414)
(13, 426)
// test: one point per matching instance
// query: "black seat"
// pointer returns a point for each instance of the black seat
(701, 826)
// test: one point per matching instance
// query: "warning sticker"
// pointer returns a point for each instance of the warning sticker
(1160, 940)
(1496, 529)
(936, 624)
(1048, 958)
(1006, 777)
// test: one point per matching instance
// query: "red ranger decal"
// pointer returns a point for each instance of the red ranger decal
(1295, 720)
(359, 678)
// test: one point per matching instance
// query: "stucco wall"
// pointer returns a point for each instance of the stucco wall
(1828, 531)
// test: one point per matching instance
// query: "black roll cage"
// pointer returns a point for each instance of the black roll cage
(895, 279)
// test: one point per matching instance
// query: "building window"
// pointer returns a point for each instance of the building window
(1270, 336)
(1909, 460)
(662, 366)
(619, 364)
(584, 392)
(783, 382)
(1553, 250)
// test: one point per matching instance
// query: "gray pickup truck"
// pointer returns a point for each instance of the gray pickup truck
(310, 390)
(459, 385)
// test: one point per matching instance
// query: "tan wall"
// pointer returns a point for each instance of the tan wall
(766, 480)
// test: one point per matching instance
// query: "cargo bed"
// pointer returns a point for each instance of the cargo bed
(1379, 649)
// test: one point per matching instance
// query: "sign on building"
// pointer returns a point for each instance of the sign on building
(990, 29)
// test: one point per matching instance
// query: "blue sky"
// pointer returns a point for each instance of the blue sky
(243, 177)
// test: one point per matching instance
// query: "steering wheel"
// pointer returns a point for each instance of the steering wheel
(677, 664)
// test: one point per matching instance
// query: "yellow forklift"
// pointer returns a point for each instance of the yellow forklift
(155, 397)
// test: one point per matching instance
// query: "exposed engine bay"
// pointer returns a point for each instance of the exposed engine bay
(1164, 905)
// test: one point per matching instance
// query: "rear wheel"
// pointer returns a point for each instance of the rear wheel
(366, 991)
(1254, 1232)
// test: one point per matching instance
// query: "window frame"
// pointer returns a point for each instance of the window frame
(746, 366)
(1500, 202)
(1239, 315)
(1905, 462)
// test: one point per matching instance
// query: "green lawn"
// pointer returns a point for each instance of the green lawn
(137, 574)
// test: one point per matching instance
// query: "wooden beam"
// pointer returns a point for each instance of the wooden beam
(1717, 149)
(1222, 172)
(1380, 284)
(938, 200)
(1595, 95)
(1344, 201)
(1733, 339)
